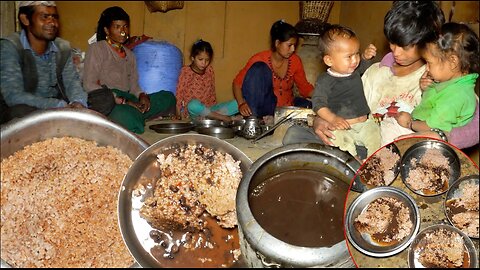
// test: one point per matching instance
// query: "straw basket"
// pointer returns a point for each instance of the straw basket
(163, 6)
(315, 9)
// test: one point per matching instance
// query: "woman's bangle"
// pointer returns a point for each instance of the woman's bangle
(440, 133)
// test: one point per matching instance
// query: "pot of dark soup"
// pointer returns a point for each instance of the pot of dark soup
(290, 207)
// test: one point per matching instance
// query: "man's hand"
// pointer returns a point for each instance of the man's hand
(75, 105)
(323, 129)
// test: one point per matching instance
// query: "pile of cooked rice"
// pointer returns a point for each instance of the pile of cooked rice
(442, 248)
(193, 179)
(431, 173)
(468, 221)
(386, 219)
(59, 205)
(379, 170)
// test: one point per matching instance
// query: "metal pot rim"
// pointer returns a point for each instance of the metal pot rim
(289, 253)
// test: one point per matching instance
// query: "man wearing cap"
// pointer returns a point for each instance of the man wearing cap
(37, 70)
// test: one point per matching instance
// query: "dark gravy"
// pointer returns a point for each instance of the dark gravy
(301, 207)
(212, 248)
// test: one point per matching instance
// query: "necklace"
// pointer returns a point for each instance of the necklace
(118, 48)
(279, 66)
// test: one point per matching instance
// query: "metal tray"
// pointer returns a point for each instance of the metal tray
(455, 192)
(363, 241)
(172, 128)
(418, 150)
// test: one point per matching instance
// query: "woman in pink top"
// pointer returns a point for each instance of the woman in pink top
(195, 92)
(267, 79)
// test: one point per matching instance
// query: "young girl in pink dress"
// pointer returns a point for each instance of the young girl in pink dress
(196, 97)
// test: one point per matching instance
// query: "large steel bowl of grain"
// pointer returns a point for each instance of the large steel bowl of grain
(134, 228)
(80, 123)
(290, 207)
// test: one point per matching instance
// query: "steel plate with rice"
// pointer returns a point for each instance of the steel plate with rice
(382, 168)
(382, 221)
(462, 205)
(442, 246)
(430, 167)
(167, 216)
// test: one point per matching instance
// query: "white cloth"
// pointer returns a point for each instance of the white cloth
(36, 3)
(383, 89)
(390, 130)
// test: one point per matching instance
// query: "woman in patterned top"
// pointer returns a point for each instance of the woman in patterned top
(195, 92)
(111, 76)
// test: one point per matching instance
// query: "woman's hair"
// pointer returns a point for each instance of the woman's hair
(460, 40)
(281, 31)
(410, 23)
(107, 17)
(330, 34)
(201, 46)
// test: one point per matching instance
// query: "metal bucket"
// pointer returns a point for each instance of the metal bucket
(262, 249)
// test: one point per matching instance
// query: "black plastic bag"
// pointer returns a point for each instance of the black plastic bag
(101, 100)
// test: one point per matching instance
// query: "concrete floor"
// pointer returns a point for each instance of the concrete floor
(262, 146)
(252, 150)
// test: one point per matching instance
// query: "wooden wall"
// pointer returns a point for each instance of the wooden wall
(236, 29)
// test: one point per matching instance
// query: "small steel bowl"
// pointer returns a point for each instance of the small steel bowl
(413, 251)
(206, 123)
(455, 192)
(418, 150)
(219, 132)
(237, 126)
(363, 241)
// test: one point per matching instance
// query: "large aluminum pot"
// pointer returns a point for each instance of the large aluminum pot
(135, 230)
(259, 247)
(81, 123)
